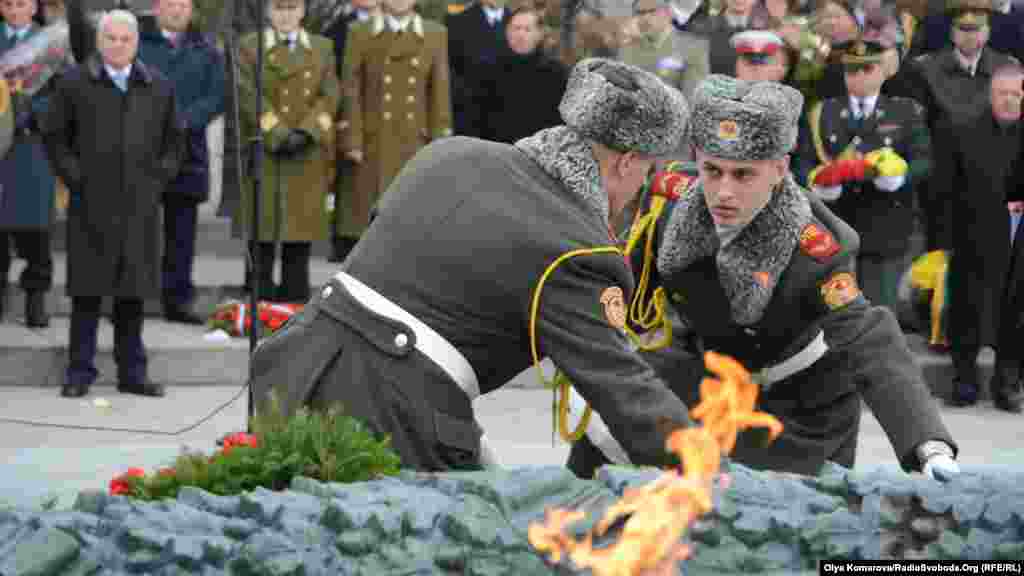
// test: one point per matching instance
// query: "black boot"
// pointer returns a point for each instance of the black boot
(35, 310)
(3, 300)
(1006, 389)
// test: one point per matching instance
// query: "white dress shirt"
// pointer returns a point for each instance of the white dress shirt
(15, 33)
(494, 15)
(971, 66)
(396, 25)
(120, 77)
(863, 107)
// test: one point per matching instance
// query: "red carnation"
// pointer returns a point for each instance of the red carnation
(239, 439)
(121, 484)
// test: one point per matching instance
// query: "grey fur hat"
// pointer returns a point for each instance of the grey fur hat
(624, 108)
(740, 120)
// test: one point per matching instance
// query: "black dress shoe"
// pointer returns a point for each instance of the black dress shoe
(35, 310)
(1011, 401)
(964, 394)
(183, 317)
(74, 390)
(145, 388)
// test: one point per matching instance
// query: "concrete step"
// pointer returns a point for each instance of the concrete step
(180, 355)
(216, 279)
(213, 238)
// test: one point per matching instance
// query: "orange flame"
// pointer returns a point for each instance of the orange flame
(661, 511)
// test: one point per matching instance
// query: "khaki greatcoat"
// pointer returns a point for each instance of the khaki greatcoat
(397, 100)
(300, 90)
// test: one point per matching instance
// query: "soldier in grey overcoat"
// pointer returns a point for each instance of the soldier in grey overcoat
(433, 305)
(761, 271)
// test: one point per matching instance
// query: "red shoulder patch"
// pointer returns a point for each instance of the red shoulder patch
(818, 243)
(670, 185)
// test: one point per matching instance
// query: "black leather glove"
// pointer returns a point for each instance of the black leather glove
(296, 142)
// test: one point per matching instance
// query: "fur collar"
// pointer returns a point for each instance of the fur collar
(763, 247)
(568, 158)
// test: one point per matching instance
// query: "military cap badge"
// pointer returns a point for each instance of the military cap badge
(818, 243)
(839, 290)
(614, 306)
(728, 130)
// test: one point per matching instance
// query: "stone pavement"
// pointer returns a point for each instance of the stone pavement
(39, 462)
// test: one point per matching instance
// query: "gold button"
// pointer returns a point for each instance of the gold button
(415, 62)
(284, 109)
(410, 116)
(387, 79)
(284, 92)
(309, 74)
(387, 97)
(410, 98)
(412, 79)
(387, 115)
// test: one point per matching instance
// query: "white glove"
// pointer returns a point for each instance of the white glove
(941, 468)
(890, 183)
(329, 203)
(828, 193)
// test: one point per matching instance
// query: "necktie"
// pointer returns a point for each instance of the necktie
(121, 80)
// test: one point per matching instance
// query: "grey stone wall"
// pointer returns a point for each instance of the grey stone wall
(475, 524)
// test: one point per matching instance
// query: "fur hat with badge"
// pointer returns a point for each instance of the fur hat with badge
(740, 120)
(624, 108)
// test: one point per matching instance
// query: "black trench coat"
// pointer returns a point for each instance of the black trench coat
(116, 152)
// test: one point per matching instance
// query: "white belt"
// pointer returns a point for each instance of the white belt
(429, 342)
(800, 361)
(601, 436)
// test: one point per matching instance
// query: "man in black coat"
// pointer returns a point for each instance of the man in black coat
(1007, 377)
(476, 37)
(976, 179)
(520, 95)
(112, 133)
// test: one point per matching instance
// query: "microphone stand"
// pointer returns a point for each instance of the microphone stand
(255, 168)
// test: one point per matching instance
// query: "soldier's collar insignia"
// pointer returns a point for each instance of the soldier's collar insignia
(818, 243)
(839, 290)
(728, 130)
(763, 278)
(614, 307)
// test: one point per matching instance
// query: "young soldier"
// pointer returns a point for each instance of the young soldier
(761, 271)
(300, 98)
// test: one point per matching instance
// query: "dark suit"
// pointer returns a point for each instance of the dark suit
(975, 179)
(935, 31)
(473, 46)
(717, 293)
(884, 220)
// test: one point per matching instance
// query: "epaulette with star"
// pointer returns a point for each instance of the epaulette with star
(818, 243)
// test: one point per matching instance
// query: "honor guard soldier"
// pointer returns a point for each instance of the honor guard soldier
(396, 88)
(864, 155)
(483, 255)
(300, 98)
(760, 270)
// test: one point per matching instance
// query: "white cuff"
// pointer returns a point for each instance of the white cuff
(890, 183)
(941, 468)
(828, 193)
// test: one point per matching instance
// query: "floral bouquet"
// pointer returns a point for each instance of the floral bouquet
(235, 317)
(29, 66)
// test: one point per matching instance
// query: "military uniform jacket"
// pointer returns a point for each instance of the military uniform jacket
(678, 58)
(884, 220)
(786, 277)
(467, 262)
(396, 101)
(300, 91)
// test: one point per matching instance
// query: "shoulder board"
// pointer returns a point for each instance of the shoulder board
(818, 243)
(454, 9)
(670, 185)
(839, 290)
